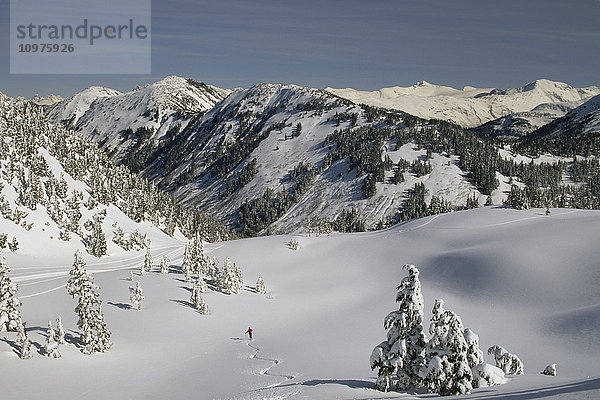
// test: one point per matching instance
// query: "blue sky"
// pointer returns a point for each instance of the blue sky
(361, 44)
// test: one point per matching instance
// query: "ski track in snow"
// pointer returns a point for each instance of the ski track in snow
(125, 264)
(266, 372)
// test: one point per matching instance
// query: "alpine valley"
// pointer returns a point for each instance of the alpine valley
(160, 223)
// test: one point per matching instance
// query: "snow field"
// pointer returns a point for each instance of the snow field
(520, 279)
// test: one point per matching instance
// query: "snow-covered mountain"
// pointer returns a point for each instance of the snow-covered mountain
(46, 100)
(68, 111)
(246, 147)
(583, 120)
(57, 183)
(125, 122)
(278, 158)
(516, 125)
(469, 107)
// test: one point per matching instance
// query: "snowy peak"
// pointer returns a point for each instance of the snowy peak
(71, 109)
(471, 106)
(178, 94)
(46, 100)
(125, 122)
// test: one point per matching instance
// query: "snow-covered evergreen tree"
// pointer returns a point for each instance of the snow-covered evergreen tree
(506, 361)
(60, 331)
(96, 241)
(402, 354)
(10, 316)
(550, 370)
(51, 344)
(474, 353)
(164, 265)
(23, 342)
(95, 336)
(202, 286)
(186, 265)
(148, 260)
(13, 246)
(448, 344)
(260, 285)
(136, 296)
(230, 280)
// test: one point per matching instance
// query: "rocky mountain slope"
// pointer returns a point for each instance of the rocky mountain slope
(281, 158)
(124, 123)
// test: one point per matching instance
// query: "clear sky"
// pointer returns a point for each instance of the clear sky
(362, 44)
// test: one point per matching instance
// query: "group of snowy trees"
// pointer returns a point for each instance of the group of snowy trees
(11, 321)
(449, 363)
(26, 140)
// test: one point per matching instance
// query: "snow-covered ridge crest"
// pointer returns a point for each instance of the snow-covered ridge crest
(469, 107)
(111, 117)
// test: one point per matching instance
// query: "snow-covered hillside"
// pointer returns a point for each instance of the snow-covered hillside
(583, 120)
(120, 121)
(70, 110)
(516, 125)
(519, 279)
(469, 107)
(246, 145)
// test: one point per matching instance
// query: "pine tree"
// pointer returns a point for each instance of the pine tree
(447, 342)
(164, 265)
(23, 342)
(474, 353)
(148, 260)
(95, 336)
(260, 286)
(13, 246)
(136, 296)
(97, 239)
(402, 354)
(186, 265)
(10, 316)
(51, 345)
(60, 331)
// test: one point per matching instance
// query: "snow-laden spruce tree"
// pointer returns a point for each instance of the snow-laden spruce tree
(186, 265)
(10, 316)
(402, 354)
(202, 286)
(230, 280)
(136, 295)
(51, 344)
(148, 260)
(260, 285)
(474, 353)
(201, 305)
(23, 342)
(448, 372)
(164, 265)
(95, 336)
(60, 331)
(506, 361)
(198, 260)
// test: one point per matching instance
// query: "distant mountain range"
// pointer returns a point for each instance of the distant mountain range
(273, 157)
(514, 112)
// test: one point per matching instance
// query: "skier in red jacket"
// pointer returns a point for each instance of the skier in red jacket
(249, 332)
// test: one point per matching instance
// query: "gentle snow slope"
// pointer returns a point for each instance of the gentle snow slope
(526, 281)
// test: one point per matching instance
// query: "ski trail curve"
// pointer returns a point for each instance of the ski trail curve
(266, 371)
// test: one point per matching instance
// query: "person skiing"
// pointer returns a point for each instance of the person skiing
(249, 332)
